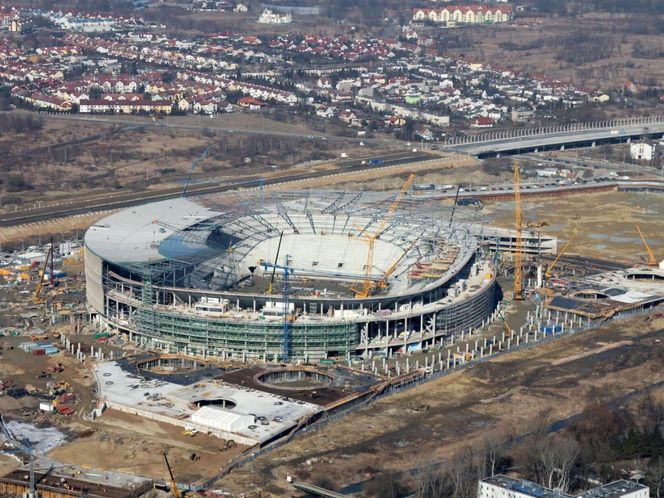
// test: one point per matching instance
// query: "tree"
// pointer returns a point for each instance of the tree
(494, 447)
(558, 456)
(655, 475)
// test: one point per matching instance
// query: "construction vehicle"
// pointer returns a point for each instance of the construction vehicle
(382, 283)
(174, 485)
(547, 273)
(518, 219)
(462, 357)
(652, 260)
(368, 285)
(274, 268)
(508, 331)
(42, 272)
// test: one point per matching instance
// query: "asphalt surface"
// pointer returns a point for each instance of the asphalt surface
(571, 138)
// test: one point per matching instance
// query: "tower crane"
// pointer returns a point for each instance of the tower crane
(652, 260)
(548, 271)
(289, 318)
(518, 254)
(367, 285)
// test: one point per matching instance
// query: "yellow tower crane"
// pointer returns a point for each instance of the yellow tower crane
(652, 260)
(367, 286)
(518, 250)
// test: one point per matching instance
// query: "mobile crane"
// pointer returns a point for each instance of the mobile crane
(652, 260)
(174, 485)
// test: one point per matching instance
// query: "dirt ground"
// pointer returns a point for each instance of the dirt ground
(505, 393)
(130, 444)
(72, 225)
(518, 47)
(605, 223)
(56, 167)
(116, 441)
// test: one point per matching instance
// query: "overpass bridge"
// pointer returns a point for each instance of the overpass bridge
(519, 141)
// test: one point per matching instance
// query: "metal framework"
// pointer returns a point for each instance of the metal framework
(429, 263)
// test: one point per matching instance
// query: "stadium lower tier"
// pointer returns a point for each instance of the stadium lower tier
(160, 318)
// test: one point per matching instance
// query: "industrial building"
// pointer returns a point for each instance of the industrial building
(302, 275)
(501, 486)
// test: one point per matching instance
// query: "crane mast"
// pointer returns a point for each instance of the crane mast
(518, 243)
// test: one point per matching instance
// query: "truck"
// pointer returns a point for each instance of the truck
(374, 162)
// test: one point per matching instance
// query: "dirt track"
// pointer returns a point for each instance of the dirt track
(504, 393)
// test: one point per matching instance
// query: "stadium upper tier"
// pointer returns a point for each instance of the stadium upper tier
(222, 249)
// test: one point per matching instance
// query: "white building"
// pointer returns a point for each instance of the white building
(641, 151)
(507, 487)
(269, 17)
(465, 14)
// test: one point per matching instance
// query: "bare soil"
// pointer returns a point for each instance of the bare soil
(505, 393)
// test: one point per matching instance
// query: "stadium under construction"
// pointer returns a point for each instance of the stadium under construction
(301, 275)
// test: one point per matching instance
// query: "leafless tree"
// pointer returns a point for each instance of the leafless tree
(430, 482)
(656, 475)
(558, 456)
(494, 449)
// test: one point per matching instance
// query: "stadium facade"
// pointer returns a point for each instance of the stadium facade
(253, 278)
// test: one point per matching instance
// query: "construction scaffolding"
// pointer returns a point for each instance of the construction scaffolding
(202, 287)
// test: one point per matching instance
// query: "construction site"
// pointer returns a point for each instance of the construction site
(297, 277)
(220, 328)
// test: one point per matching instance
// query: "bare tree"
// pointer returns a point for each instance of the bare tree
(430, 482)
(656, 475)
(559, 454)
(463, 473)
(494, 449)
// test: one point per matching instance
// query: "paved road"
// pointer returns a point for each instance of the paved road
(552, 140)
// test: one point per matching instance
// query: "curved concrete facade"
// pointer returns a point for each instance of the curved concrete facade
(179, 303)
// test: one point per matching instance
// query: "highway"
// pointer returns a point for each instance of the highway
(514, 144)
